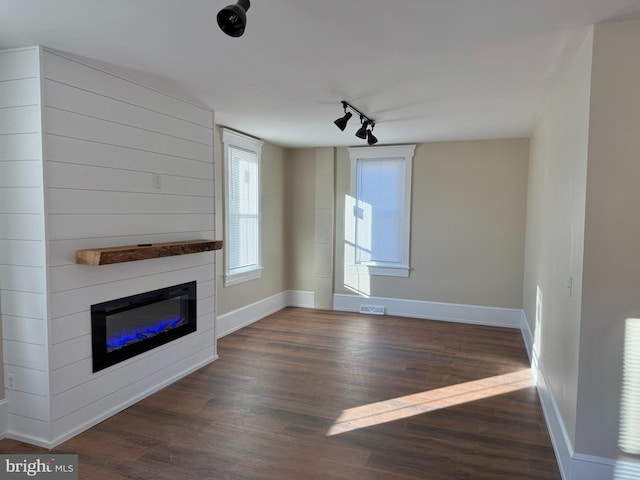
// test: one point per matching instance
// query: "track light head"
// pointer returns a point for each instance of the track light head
(371, 140)
(362, 131)
(341, 123)
(232, 19)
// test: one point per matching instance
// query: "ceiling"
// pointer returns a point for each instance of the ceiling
(424, 70)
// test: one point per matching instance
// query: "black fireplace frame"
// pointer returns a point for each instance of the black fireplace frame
(100, 312)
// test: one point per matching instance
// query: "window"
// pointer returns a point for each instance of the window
(242, 207)
(381, 195)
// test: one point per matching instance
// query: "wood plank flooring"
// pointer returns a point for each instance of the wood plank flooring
(307, 395)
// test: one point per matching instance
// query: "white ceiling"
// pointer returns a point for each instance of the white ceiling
(425, 70)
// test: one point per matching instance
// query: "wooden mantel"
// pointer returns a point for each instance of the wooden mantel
(144, 251)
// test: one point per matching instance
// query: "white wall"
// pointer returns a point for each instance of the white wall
(23, 304)
(106, 143)
(323, 229)
(582, 225)
(555, 233)
(611, 288)
(467, 226)
(301, 185)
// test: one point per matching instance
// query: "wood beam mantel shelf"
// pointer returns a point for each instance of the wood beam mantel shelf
(144, 251)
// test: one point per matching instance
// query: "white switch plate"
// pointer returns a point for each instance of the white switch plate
(156, 181)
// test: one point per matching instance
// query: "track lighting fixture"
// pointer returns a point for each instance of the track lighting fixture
(362, 131)
(371, 140)
(341, 123)
(366, 124)
(232, 19)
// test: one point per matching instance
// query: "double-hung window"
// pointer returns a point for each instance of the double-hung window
(381, 197)
(242, 207)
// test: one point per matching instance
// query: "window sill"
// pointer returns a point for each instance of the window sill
(379, 270)
(241, 277)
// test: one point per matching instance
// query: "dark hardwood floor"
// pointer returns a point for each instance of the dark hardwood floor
(307, 395)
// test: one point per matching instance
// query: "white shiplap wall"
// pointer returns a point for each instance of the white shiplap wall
(23, 282)
(123, 164)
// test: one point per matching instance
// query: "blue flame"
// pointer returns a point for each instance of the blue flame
(125, 338)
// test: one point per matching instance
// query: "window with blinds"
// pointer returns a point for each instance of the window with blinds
(381, 193)
(380, 210)
(242, 207)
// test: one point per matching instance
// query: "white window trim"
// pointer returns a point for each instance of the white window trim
(406, 152)
(239, 276)
(372, 268)
(231, 138)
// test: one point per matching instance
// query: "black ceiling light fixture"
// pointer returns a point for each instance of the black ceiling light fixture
(371, 140)
(341, 123)
(366, 124)
(362, 131)
(232, 19)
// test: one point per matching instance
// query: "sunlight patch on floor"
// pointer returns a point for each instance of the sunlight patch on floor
(424, 402)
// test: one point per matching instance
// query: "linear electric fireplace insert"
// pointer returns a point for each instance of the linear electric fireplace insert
(129, 326)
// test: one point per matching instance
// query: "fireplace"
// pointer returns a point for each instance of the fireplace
(129, 326)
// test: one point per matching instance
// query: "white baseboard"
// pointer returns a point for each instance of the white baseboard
(562, 445)
(31, 440)
(242, 317)
(527, 336)
(626, 469)
(299, 298)
(590, 467)
(449, 312)
(573, 466)
(157, 387)
(245, 316)
(493, 316)
(4, 418)
(46, 443)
